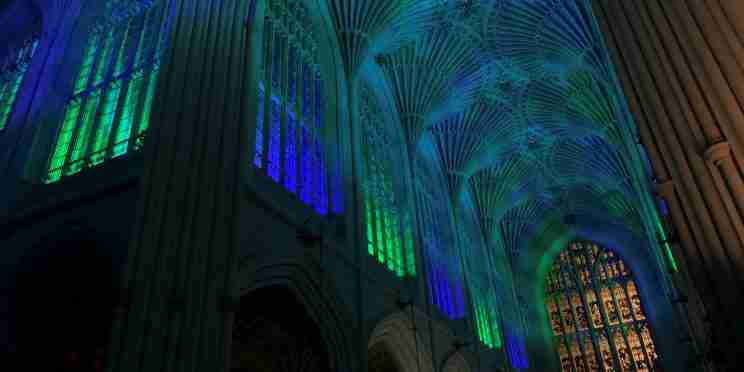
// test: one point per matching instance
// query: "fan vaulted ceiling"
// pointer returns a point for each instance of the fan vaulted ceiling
(508, 113)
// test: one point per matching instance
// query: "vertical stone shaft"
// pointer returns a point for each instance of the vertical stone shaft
(181, 259)
(681, 64)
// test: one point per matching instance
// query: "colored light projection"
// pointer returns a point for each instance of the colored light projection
(388, 222)
(109, 109)
(440, 243)
(291, 123)
(596, 312)
(487, 324)
(516, 348)
(12, 72)
(513, 109)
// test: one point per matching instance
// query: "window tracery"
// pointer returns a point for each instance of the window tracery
(292, 125)
(108, 112)
(595, 313)
(389, 226)
(12, 71)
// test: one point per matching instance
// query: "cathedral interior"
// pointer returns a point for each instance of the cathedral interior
(371, 185)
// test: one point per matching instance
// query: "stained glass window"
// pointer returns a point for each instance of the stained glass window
(108, 112)
(291, 124)
(596, 313)
(12, 71)
(389, 226)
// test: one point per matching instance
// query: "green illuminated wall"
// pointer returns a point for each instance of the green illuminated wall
(109, 108)
(487, 325)
(388, 223)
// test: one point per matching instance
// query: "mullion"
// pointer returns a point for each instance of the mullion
(580, 294)
(577, 330)
(646, 354)
(91, 71)
(111, 66)
(128, 49)
(620, 318)
(635, 322)
(136, 88)
(589, 261)
(605, 316)
(159, 20)
(564, 335)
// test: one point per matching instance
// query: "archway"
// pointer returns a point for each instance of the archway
(273, 332)
(397, 344)
(65, 294)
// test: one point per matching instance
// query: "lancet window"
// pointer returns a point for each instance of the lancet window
(12, 71)
(596, 314)
(292, 126)
(389, 225)
(108, 112)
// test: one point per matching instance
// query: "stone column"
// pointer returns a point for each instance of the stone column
(182, 257)
(680, 62)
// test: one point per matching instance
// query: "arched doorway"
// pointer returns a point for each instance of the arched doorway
(273, 332)
(397, 344)
(596, 314)
(65, 293)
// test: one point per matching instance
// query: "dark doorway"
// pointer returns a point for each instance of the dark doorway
(273, 332)
(65, 291)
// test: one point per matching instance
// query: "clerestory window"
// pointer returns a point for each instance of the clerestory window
(108, 112)
(292, 128)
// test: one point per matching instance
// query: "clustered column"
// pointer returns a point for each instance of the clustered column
(681, 63)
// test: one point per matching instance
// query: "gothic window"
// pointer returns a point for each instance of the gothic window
(12, 71)
(389, 226)
(596, 313)
(292, 118)
(108, 112)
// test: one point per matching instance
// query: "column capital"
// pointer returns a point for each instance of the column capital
(717, 152)
(665, 188)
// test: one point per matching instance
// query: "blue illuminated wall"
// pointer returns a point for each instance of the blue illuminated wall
(291, 124)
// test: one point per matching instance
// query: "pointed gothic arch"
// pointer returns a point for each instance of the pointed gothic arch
(272, 331)
(398, 338)
(596, 314)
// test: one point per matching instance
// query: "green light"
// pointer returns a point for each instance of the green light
(87, 65)
(151, 87)
(8, 93)
(103, 131)
(123, 55)
(63, 142)
(487, 327)
(667, 246)
(123, 132)
(76, 161)
(104, 58)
